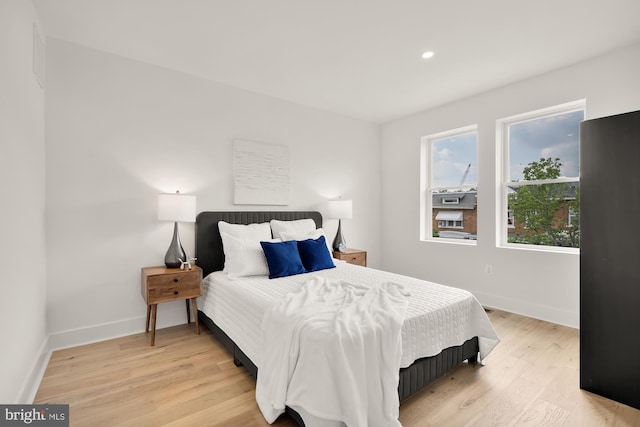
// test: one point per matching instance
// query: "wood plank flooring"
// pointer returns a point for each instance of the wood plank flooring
(530, 379)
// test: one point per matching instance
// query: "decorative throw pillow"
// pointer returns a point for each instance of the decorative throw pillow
(283, 258)
(314, 254)
(314, 234)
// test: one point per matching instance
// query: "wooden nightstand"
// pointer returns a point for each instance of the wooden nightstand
(352, 256)
(161, 284)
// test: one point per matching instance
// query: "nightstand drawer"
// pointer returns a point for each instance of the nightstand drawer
(174, 279)
(352, 256)
(357, 259)
(169, 292)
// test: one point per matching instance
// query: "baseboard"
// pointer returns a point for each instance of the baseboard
(524, 308)
(32, 382)
(120, 328)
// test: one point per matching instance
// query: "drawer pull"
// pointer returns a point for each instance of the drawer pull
(175, 280)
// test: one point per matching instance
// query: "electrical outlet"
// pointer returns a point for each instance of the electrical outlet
(488, 269)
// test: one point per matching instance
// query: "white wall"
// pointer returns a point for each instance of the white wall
(538, 284)
(119, 132)
(22, 168)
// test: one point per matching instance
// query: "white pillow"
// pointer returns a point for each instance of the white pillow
(255, 232)
(315, 234)
(244, 257)
(299, 226)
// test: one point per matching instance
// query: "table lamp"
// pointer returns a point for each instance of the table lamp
(177, 208)
(340, 209)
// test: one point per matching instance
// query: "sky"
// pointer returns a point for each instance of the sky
(452, 156)
(555, 136)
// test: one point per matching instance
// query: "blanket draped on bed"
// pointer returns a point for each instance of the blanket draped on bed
(334, 349)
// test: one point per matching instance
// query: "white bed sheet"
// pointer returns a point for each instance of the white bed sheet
(437, 316)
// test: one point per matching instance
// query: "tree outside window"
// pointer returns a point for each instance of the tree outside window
(541, 177)
(540, 212)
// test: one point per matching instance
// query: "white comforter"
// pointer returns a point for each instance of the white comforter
(333, 348)
(437, 316)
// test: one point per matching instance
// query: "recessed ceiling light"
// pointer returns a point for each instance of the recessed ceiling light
(428, 54)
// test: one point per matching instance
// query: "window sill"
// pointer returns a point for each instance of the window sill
(464, 242)
(540, 248)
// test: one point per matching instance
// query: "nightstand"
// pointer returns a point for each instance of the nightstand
(161, 284)
(352, 256)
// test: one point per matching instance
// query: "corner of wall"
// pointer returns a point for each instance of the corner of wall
(31, 383)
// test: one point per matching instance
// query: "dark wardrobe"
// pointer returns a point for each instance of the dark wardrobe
(610, 257)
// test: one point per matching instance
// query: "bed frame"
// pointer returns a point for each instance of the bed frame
(210, 256)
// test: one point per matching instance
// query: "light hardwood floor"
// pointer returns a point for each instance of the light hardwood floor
(530, 379)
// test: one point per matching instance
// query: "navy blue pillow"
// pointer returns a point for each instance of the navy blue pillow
(283, 258)
(315, 254)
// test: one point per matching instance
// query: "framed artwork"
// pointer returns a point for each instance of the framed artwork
(261, 173)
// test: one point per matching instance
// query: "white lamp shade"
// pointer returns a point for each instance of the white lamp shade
(341, 209)
(176, 207)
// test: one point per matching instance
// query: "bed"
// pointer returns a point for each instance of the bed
(418, 372)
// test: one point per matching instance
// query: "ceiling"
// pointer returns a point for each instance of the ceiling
(360, 58)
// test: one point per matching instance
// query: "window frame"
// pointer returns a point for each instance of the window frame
(504, 176)
(427, 190)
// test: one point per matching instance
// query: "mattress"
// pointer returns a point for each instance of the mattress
(437, 316)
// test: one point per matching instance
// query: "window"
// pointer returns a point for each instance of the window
(450, 200)
(450, 224)
(541, 177)
(449, 186)
(573, 216)
(511, 222)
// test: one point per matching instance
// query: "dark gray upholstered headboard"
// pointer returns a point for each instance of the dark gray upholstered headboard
(209, 243)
